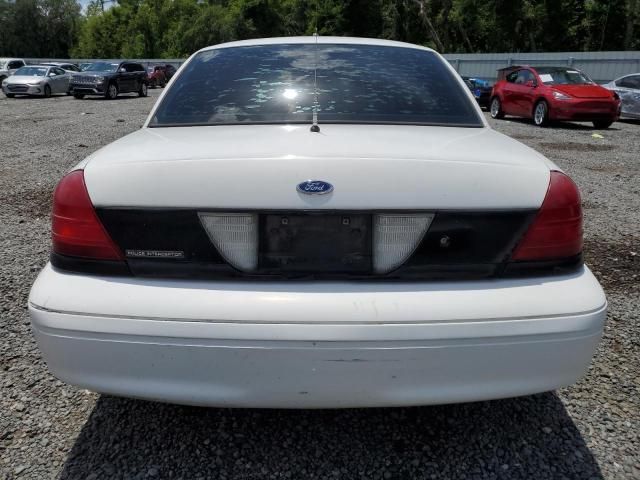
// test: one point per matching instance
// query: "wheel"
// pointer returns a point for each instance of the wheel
(152, 83)
(163, 84)
(143, 90)
(47, 91)
(496, 108)
(9, 95)
(2, 77)
(541, 114)
(112, 92)
(602, 124)
(79, 96)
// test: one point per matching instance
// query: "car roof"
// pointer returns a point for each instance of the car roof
(7, 59)
(38, 66)
(627, 75)
(313, 39)
(553, 67)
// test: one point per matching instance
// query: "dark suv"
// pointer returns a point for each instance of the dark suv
(109, 79)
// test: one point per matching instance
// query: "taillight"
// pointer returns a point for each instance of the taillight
(556, 231)
(76, 230)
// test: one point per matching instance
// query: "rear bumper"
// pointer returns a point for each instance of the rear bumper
(389, 346)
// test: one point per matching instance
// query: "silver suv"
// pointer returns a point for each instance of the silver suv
(8, 66)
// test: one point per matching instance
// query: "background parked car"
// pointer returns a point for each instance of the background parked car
(157, 77)
(110, 79)
(553, 93)
(41, 80)
(628, 89)
(85, 66)
(8, 66)
(481, 90)
(169, 71)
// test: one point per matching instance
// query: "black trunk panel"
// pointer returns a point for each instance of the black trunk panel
(319, 244)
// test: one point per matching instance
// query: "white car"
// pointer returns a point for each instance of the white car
(317, 222)
(8, 66)
(628, 89)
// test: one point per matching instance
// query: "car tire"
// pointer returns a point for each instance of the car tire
(142, 91)
(78, 96)
(9, 95)
(495, 108)
(47, 91)
(163, 84)
(541, 114)
(602, 124)
(112, 92)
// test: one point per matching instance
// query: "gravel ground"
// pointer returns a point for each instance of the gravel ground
(51, 430)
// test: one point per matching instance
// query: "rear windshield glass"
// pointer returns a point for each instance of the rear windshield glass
(31, 72)
(355, 84)
(562, 76)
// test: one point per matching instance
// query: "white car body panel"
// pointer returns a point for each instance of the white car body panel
(206, 167)
(317, 344)
(630, 97)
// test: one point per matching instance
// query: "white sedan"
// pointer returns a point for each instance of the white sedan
(317, 222)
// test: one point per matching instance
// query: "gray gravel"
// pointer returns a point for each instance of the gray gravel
(49, 429)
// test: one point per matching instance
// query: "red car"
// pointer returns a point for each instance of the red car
(157, 76)
(546, 94)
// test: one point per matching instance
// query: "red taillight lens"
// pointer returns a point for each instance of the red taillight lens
(556, 232)
(75, 228)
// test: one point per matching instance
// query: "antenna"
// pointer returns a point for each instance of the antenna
(315, 128)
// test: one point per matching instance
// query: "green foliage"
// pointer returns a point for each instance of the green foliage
(177, 28)
(38, 27)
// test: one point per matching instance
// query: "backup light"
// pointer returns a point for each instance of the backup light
(235, 235)
(395, 238)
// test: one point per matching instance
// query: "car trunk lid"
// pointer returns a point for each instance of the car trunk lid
(369, 166)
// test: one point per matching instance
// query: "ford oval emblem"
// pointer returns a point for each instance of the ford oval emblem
(315, 187)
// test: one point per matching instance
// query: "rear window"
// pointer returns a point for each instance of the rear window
(355, 84)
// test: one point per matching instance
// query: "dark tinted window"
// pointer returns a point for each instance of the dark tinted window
(512, 77)
(630, 82)
(524, 76)
(355, 84)
(15, 64)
